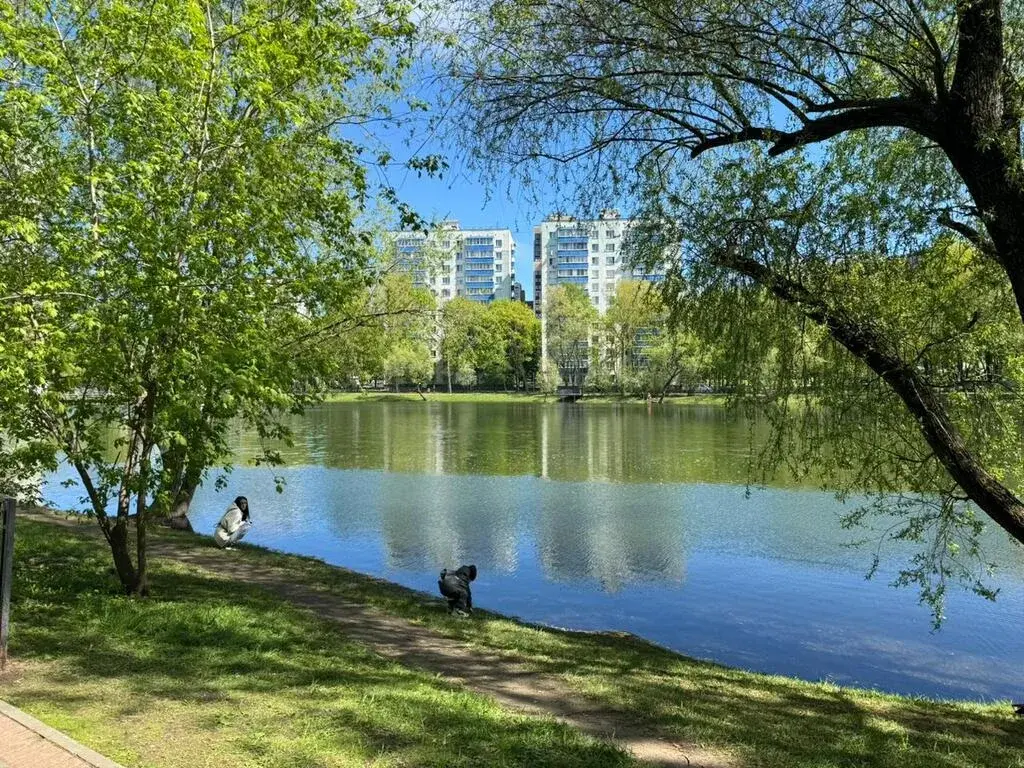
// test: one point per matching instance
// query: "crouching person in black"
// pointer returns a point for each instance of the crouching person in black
(454, 585)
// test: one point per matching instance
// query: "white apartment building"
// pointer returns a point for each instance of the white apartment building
(478, 264)
(587, 253)
(583, 252)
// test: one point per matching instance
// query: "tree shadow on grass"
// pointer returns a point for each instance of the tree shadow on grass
(284, 688)
(269, 648)
(778, 721)
(773, 721)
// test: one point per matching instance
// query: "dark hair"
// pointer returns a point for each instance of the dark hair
(245, 509)
(472, 573)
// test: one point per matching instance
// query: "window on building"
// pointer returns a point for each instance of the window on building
(609, 246)
(610, 233)
(458, 267)
(497, 267)
(445, 293)
(595, 260)
(594, 247)
(446, 281)
(609, 260)
(594, 275)
(596, 299)
(497, 243)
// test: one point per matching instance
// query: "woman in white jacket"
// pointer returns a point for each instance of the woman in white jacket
(233, 525)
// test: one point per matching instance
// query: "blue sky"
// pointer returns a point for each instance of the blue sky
(475, 202)
(461, 193)
(496, 200)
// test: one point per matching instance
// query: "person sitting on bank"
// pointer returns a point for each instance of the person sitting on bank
(234, 524)
(454, 585)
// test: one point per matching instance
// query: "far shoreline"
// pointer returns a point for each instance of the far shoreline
(483, 396)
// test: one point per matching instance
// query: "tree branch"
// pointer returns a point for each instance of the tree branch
(867, 343)
(897, 112)
(969, 233)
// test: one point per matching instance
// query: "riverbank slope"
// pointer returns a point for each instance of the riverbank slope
(228, 665)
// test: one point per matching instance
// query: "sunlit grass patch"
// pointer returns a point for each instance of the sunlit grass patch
(274, 686)
(213, 672)
(765, 720)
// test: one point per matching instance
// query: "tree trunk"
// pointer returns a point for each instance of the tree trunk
(980, 133)
(938, 430)
(448, 368)
(117, 535)
(668, 383)
(178, 518)
(141, 557)
(420, 393)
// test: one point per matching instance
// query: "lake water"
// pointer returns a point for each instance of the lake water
(613, 518)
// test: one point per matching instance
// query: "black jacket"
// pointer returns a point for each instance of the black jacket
(453, 582)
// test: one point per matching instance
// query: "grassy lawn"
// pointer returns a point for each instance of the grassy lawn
(439, 397)
(767, 721)
(217, 673)
(513, 397)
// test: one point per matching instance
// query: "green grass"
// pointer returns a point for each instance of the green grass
(766, 721)
(513, 397)
(217, 673)
(439, 397)
(235, 677)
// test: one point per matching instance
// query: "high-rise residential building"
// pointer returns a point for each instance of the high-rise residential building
(584, 252)
(478, 264)
(538, 260)
(587, 253)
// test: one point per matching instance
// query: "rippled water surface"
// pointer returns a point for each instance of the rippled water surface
(616, 518)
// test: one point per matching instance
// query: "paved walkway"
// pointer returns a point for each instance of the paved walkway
(27, 743)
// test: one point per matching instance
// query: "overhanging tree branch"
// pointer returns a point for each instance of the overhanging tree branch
(969, 233)
(868, 344)
(884, 113)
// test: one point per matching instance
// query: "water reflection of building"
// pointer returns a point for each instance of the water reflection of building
(432, 521)
(700, 454)
(609, 533)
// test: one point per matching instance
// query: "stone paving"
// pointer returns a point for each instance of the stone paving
(27, 743)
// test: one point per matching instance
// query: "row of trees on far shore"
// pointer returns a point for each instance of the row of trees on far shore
(398, 336)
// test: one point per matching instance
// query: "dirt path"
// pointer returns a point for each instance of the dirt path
(506, 682)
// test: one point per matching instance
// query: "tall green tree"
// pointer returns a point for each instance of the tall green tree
(465, 340)
(676, 357)
(827, 135)
(518, 328)
(388, 311)
(571, 321)
(178, 213)
(635, 316)
(411, 361)
(407, 331)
